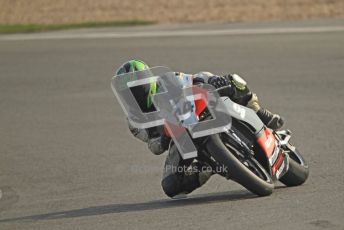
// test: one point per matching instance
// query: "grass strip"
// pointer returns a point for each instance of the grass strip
(31, 28)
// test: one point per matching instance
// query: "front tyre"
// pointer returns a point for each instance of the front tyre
(259, 183)
(298, 170)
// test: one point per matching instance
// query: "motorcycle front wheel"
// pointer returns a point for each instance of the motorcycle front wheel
(298, 171)
(246, 171)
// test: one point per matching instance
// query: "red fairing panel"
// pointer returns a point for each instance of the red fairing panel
(200, 105)
(267, 142)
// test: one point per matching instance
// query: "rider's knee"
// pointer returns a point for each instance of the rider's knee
(171, 185)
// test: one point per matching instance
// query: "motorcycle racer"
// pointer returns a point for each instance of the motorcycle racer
(194, 173)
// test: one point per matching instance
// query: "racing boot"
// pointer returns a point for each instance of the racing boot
(197, 175)
(178, 185)
(272, 121)
(204, 171)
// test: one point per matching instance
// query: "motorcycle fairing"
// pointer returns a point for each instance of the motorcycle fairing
(277, 160)
(267, 141)
(244, 114)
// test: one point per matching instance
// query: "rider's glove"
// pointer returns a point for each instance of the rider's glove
(218, 81)
(222, 84)
(241, 94)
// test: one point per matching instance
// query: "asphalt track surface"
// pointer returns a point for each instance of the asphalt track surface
(67, 160)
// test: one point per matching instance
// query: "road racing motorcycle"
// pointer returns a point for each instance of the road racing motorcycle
(252, 155)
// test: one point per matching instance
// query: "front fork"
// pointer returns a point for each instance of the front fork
(283, 136)
(289, 149)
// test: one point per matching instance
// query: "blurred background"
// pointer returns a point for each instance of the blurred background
(164, 11)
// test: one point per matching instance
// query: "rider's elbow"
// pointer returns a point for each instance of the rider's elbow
(157, 146)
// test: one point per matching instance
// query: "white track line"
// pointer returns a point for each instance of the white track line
(177, 33)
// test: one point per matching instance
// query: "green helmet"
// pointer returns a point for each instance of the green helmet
(143, 93)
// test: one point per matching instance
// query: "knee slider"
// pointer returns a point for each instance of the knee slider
(171, 185)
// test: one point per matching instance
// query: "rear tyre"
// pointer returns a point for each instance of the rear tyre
(261, 185)
(298, 171)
